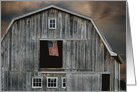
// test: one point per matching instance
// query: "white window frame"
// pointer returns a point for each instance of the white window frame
(56, 82)
(63, 82)
(49, 23)
(41, 82)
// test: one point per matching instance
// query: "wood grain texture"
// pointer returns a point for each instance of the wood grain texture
(20, 53)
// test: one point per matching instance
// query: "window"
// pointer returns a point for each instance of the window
(52, 23)
(64, 82)
(50, 54)
(105, 82)
(37, 82)
(52, 82)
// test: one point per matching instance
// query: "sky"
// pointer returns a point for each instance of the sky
(109, 16)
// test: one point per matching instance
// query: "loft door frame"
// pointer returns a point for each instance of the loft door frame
(43, 69)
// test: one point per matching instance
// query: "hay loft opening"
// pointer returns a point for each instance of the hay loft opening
(50, 54)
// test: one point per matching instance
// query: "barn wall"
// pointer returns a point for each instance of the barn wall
(84, 82)
(83, 50)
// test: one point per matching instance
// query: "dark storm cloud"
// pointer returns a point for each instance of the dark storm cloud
(110, 17)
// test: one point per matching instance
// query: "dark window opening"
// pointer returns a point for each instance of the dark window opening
(105, 82)
(37, 82)
(50, 54)
(63, 82)
(52, 23)
(52, 82)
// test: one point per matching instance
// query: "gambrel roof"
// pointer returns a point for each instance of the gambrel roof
(70, 12)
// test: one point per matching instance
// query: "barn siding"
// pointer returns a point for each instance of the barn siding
(84, 51)
(91, 82)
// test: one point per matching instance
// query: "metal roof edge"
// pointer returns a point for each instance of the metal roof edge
(119, 59)
(7, 29)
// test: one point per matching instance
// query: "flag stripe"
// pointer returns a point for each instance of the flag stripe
(53, 48)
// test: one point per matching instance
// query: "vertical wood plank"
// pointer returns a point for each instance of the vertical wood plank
(35, 55)
(63, 25)
(73, 53)
(68, 63)
(27, 45)
(64, 54)
(82, 55)
(93, 50)
(14, 81)
(60, 24)
(12, 49)
(24, 44)
(71, 26)
(102, 56)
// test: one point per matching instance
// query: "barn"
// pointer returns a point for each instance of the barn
(54, 49)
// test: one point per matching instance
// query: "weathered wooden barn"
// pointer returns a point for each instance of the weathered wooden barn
(80, 59)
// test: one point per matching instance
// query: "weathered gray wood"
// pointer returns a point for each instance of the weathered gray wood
(102, 57)
(93, 50)
(64, 54)
(24, 45)
(21, 34)
(63, 25)
(116, 76)
(12, 50)
(82, 55)
(28, 81)
(78, 55)
(83, 50)
(105, 59)
(99, 55)
(5, 65)
(96, 63)
(55, 30)
(14, 81)
(27, 45)
(87, 79)
(31, 44)
(60, 24)
(73, 53)
(35, 44)
(68, 62)
(15, 49)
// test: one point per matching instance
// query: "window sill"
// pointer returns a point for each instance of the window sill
(51, 69)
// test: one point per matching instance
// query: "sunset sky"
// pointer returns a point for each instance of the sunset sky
(110, 17)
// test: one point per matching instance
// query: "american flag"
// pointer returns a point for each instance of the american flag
(53, 48)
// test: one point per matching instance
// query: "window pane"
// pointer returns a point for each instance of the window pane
(48, 84)
(54, 80)
(37, 80)
(54, 84)
(50, 25)
(64, 84)
(39, 84)
(51, 84)
(54, 21)
(64, 80)
(34, 84)
(48, 80)
(50, 20)
(53, 25)
(34, 80)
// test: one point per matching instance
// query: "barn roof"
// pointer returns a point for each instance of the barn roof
(70, 12)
